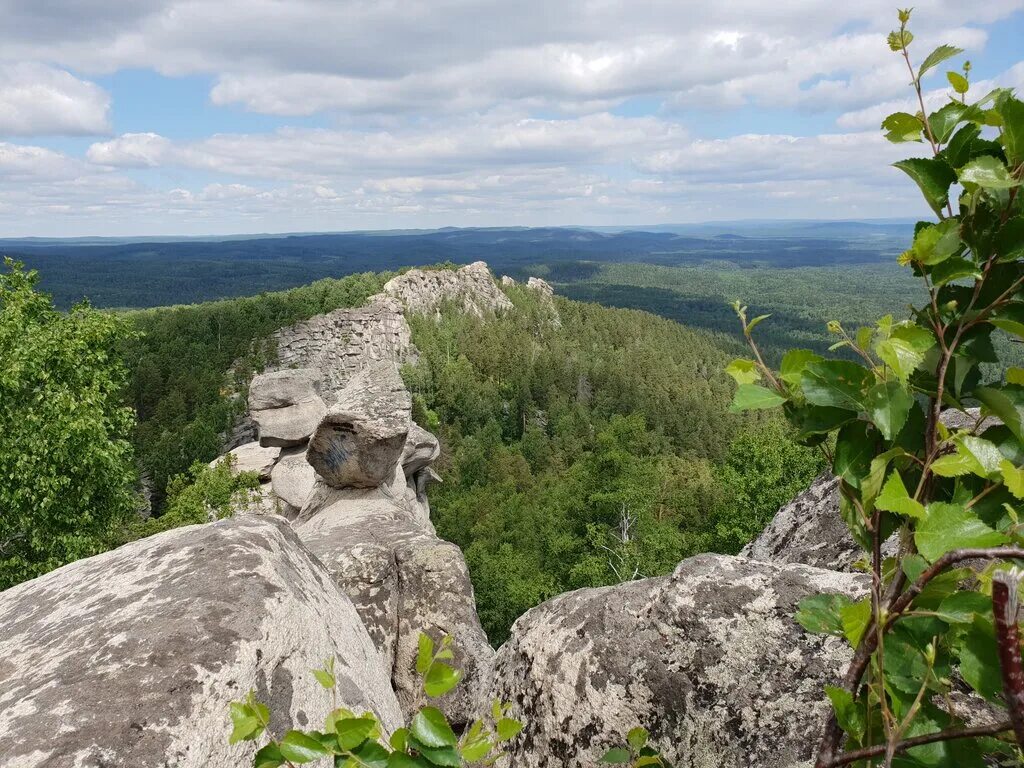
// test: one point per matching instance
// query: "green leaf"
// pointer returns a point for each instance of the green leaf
(848, 713)
(984, 453)
(953, 465)
(443, 756)
(935, 243)
(977, 650)
(424, 653)
(950, 526)
(934, 177)
(326, 679)
(372, 755)
(246, 725)
(836, 383)
(298, 747)
(1010, 318)
(430, 726)
(895, 498)
(905, 349)
(820, 614)
(855, 618)
(476, 750)
(988, 172)
(637, 738)
(398, 760)
(961, 607)
(743, 371)
(854, 451)
(959, 82)
(889, 405)
(1012, 112)
(793, 364)
(756, 321)
(945, 120)
(900, 127)
(953, 270)
(440, 679)
(268, 757)
(1013, 478)
(750, 397)
(353, 731)
(1007, 403)
(507, 728)
(936, 57)
(616, 756)
(399, 739)
(1010, 240)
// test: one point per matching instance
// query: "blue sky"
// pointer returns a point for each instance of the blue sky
(188, 117)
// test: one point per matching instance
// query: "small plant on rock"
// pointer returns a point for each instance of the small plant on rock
(930, 488)
(355, 740)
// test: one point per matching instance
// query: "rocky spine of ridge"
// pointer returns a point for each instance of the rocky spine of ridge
(131, 657)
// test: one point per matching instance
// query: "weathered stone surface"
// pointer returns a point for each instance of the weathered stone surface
(507, 281)
(293, 478)
(709, 660)
(403, 580)
(421, 450)
(252, 457)
(129, 659)
(471, 287)
(285, 406)
(341, 343)
(536, 284)
(361, 438)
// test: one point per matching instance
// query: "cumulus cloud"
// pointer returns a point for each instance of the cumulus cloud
(36, 99)
(130, 150)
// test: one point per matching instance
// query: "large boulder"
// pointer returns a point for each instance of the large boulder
(129, 659)
(286, 406)
(361, 438)
(293, 479)
(403, 580)
(709, 660)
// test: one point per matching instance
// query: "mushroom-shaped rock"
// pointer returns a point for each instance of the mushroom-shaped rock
(421, 450)
(252, 457)
(293, 479)
(285, 406)
(360, 440)
(131, 658)
(709, 660)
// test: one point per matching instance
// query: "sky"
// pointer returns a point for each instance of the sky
(192, 117)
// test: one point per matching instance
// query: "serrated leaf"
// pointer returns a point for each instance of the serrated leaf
(855, 618)
(400, 739)
(447, 757)
(854, 451)
(750, 397)
(952, 270)
(507, 728)
(836, 383)
(961, 607)
(848, 713)
(268, 757)
(352, 732)
(945, 120)
(905, 349)
(326, 679)
(430, 726)
(935, 243)
(889, 405)
(1013, 478)
(299, 747)
(977, 650)
(820, 614)
(989, 173)
(895, 498)
(475, 751)
(936, 57)
(1010, 240)
(1010, 318)
(398, 760)
(637, 738)
(793, 364)
(372, 755)
(1012, 112)
(950, 526)
(424, 653)
(984, 453)
(743, 371)
(245, 724)
(933, 176)
(1007, 403)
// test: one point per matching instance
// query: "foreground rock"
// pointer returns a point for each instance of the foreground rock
(709, 660)
(361, 438)
(252, 457)
(286, 406)
(131, 657)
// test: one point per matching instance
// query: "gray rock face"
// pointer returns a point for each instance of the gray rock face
(709, 660)
(129, 659)
(341, 343)
(421, 450)
(293, 479)
(536, 284)
(471, 287)
(360, 440)
(252, 457)
(285, 406)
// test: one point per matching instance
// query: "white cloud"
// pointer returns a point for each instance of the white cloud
(130, 150)
(36, 99)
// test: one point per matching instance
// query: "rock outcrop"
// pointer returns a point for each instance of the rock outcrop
(286, 406)
(253, 457)
(709, 660)
(361, 438)
(131, 657)
(472, 288)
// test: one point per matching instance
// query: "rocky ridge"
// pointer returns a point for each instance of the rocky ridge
(130, 658)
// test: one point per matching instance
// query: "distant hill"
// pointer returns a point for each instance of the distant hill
(151, 272)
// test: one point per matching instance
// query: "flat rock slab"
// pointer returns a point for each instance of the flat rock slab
(360, 440)
(286, 406)
(129, 659)
(709, 660)
(252, 457)
(293, 479)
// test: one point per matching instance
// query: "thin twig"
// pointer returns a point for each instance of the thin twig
(917, 741)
